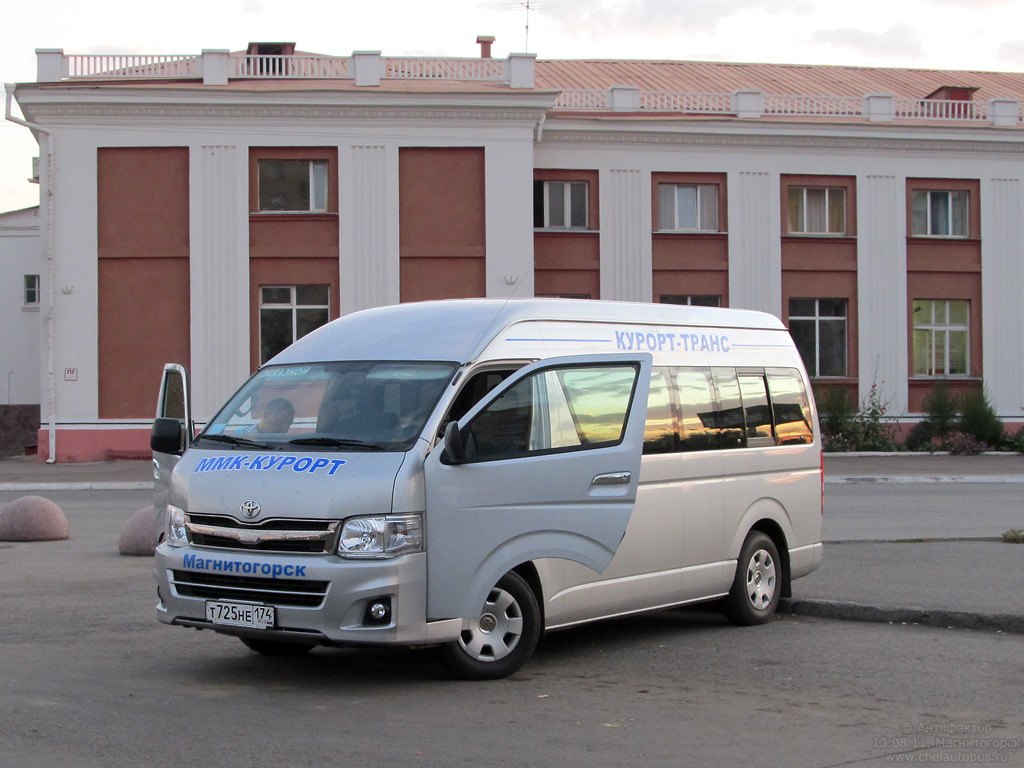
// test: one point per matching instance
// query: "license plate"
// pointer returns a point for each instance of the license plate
(240, 614)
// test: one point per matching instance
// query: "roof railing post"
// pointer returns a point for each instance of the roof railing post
(624, 98)
(215, 66)
(1004, 113)
(50, 65)
(520, 70)
(880, 107)
(748, 104)
(367, 65)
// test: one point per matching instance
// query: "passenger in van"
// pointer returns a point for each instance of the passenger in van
(278, 416)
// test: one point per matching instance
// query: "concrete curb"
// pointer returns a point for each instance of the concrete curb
(82, 486)
(879, 614)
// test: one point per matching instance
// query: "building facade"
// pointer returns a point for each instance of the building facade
(209, 209)
(20, 343)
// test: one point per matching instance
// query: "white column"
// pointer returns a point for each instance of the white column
(75, 278)
(755, 244)
(1002, 295)
(219, 274)
(626, 259)
(508, 213)
(882, 289)
(368, 268)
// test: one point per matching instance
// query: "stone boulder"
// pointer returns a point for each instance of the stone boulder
(138, 537)
(33, 518)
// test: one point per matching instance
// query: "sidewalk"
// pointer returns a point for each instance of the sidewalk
(969, 584)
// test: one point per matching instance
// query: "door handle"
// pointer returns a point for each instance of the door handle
(613, 478)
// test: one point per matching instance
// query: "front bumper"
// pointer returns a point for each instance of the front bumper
(317, 598)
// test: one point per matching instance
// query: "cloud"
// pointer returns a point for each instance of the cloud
(1012, 51)
(252, 7)
(606, 18)
(899, 41)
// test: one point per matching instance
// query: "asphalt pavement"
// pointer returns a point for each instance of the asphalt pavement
(970, 583)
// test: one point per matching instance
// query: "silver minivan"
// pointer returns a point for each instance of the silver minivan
(470, 474)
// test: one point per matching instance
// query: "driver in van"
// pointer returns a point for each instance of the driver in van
(277, 418)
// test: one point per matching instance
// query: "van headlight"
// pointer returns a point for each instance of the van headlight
(381, 536)
(176, 526)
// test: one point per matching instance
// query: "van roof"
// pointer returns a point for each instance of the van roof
(458, 330)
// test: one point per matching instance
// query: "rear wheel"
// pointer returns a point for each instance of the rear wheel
(501, 638)
(276, 647)
(757, 586)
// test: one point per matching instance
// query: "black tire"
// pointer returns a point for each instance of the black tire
(277, 648)
(757, 586)
(501, 639)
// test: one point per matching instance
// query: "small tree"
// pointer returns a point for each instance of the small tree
(979, 420)
(874, 430)
(836, 412)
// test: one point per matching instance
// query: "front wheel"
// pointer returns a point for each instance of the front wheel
(502, 638)
(757, 585)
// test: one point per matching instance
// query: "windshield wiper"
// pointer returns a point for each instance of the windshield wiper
(236, 441)
(336, 442)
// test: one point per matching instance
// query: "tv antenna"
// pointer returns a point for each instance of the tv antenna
(528, 5)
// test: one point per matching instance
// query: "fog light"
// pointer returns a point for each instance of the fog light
(378, 612)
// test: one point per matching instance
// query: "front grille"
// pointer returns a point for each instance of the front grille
(277, 535)
(215, 586)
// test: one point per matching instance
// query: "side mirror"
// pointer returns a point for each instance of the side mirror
(454, 452)
(166, 436)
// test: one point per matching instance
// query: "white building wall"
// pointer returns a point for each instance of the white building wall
(755, 245)
(21, 253)
(625, 194)
(368, 231)
(1002, 286)
(218, 274)
(508, 193)
(882, 288)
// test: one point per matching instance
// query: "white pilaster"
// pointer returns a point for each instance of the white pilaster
(219, 274)
(1002, 291)
(626, 260)
(508, 212)
(755, 245)
(882, 289)
(368, 249)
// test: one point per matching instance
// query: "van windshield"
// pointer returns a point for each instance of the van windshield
(345, 406)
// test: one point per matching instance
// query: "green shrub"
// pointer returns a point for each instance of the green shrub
(978, 419)
(874, 431)
(1014, 536)
(941, 410)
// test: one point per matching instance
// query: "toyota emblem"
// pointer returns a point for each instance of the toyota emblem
(250, 508)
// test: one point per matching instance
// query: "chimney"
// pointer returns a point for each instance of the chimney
(484, 41)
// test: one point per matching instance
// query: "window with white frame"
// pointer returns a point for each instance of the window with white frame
(940, 213)
(941, 337)
(293, 185)
(289, 312)
(818, 328)
(692, 299)
(560, 205)
(688, 207)
(817, 210)
(31, 290)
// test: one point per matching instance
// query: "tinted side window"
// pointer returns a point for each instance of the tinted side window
(698, 424)
(791, 407)
(660, 431)
(555, 409)
(757, 414)
(729, 421)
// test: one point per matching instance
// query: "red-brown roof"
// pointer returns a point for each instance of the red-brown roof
(819, 80)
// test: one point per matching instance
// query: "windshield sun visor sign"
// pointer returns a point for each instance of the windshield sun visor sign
(265, 463)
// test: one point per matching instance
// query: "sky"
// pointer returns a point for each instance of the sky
(932, 34)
